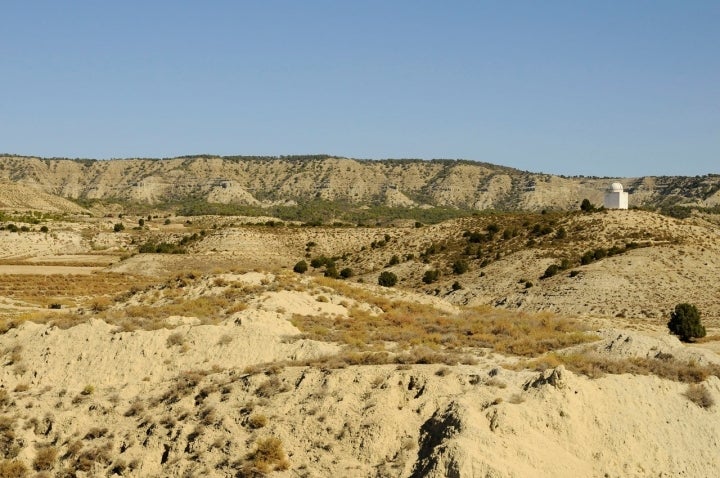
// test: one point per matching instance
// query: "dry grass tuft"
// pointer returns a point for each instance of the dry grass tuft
(13, 469)
(271, 387)
(257, 421)
(267, 456)
(700, 395)
(45, 458)
(175, 338)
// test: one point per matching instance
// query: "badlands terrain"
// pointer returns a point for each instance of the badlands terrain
(236, 183)
(513, 344)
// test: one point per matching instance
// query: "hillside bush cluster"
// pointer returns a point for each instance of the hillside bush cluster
(152, 247)
(13, 228)
(600, 253)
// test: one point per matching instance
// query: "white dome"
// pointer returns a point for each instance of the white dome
(616, 187)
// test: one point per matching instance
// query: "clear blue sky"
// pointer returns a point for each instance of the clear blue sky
(612, 88)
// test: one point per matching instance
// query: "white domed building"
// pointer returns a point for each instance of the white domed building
(615, 197)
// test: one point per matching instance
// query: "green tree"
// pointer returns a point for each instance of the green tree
(301, 267)
(387, 279)
(346, 272)
(685, 322)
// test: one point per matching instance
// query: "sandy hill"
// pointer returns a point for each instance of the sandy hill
(19, 197)
(289, 180)
(233, 395)
(221, 361)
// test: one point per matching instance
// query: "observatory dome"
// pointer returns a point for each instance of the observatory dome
(616, 187)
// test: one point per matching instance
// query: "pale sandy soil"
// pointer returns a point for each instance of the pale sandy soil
(178, 401)
(422, 420)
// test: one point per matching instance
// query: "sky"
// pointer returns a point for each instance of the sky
(605, 88)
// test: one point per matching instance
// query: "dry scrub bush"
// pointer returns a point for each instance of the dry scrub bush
(182, 386)
(271, 387)
(699, 395)
(175, 338)
(45, 458)
(136, 408)
(101, 454)
(420, 355)
(411, 325)
(12, 469)
(257, 421)
(8, 447)
(267, 456)
(595, 366)
(152, 317)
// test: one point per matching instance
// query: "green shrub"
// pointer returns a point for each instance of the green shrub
(321, 261)
(387, 279)
(475, 237)
(699, 395)
(346, 273)
(394, 260)
(587, 206)
(460, 267)
(301, 267)
(431, 276)
(331, 271)
(118, 227)
(685, 322)
(551, 271)
(587, 258)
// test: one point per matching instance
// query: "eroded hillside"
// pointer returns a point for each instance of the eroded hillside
(292, 180)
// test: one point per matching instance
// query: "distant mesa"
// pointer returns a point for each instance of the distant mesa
(615, 197)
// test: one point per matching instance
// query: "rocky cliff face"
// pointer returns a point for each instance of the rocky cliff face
(279, 180)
